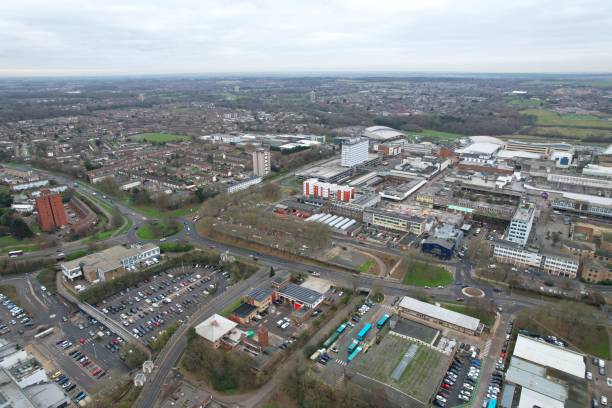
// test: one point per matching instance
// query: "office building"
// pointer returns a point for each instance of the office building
(110, 263)
(354, 152)
(521, 256)
(393, 221)
(521, 223)
(261, 162)
(51, 213)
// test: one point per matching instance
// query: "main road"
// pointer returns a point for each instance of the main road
(171, 353)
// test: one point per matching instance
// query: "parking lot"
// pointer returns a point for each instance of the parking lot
(153, 304)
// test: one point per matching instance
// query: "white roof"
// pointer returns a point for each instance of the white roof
(590, 198)
(481, 148)
(530, 399)
(439, 313)
(548, 355)
(382, 133)
(608, 150)
(486, 139)
(508, 154)
(215, 327)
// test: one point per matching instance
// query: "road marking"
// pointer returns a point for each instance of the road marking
(341, 362)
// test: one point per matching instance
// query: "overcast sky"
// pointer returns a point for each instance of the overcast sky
(108, 37)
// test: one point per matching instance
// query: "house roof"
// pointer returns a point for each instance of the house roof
(215, 327)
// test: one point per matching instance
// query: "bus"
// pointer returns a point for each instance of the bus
(341, 328)
(354, 353)
(44, 333)
(353, 346)
(361, 335)
(14, 254)
(382, 321)
(332, 339)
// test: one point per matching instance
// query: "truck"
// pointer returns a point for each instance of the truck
(364, 331)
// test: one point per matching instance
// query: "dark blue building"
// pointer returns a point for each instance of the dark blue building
(441, 248)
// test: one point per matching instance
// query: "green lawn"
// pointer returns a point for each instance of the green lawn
(77, 254)
(548, 118)
(422, 274)
(156, 230)
(152, 212)
(229, 309)
(524, 103)
(365, 267)
(159, 137)
(574, 132)
(485, 317)
(8, 243)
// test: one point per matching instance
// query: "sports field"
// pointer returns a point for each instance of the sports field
(159, 137)
(421, 376)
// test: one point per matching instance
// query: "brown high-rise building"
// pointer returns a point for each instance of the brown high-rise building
(51, 213)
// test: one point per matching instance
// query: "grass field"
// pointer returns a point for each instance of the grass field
(420, 377)
(486, 318)
(524, 103)
(548, 118)
(228, 310)
(422, 274)
(159, 137)
(8, 244)
(565, 132)
(365, 267)
(152, 212)
(158, 230)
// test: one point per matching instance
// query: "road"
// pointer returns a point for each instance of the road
(171, 353)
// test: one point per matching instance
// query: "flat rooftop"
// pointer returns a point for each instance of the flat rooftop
(107, 259)
(548, 355)
(439, 313)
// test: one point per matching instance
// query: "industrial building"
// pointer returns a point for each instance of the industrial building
(354, 152)
(51, 212)
(24, 382)
(412, 307)
(109, 263)
(544, 375)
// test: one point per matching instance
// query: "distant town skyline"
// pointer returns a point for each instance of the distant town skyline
(157, 37)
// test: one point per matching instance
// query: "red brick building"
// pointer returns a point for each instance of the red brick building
(51, 213)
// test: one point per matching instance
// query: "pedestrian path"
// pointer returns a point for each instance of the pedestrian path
(341, 362)
(486, 349)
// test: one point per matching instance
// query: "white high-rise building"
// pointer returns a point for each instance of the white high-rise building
(354, 152)
(261, 162)
(313, 96)
(520, 226)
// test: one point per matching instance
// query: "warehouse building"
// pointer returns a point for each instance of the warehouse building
(412, 307)
(544, 375)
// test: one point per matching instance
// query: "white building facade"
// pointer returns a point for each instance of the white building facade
(520, 226)
(354, 152)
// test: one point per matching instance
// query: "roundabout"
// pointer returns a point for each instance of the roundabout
(472, 292)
